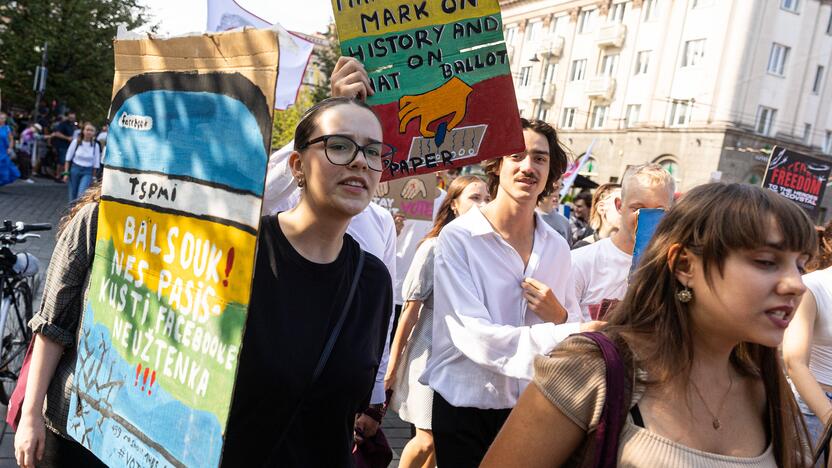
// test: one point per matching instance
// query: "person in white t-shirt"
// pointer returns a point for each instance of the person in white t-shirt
(502, 295)
(373, 228)
(600, 269)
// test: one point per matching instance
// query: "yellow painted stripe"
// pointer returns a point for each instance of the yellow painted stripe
(158, 241)
(357, 18)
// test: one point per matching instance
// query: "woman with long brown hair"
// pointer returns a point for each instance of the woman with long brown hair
(83, 158)
(411, 343)
(807, 346)
(698, 333)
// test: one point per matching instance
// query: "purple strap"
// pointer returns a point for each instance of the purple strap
(608, 432)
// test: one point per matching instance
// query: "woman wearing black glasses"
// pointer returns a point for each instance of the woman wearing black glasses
(320, 306)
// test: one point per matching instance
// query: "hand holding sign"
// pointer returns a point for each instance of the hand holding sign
(414, 187)
(349, 79)
(450, 98)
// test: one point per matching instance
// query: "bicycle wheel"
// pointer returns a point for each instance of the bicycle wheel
(15, 341)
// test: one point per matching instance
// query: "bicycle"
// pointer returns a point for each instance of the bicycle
(19, 280)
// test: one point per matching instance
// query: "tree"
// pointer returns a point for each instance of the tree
(285, 121)
(80, 37)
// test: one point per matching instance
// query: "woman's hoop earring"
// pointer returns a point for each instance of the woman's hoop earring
(684, 296)
(301, 181)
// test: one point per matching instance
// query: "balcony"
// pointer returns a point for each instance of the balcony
(611, 35)
(551, 48)
(600, 88)
(533, 92)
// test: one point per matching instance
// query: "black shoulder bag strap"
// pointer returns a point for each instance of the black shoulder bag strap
(319, 368)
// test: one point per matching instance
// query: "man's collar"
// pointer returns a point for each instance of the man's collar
(480, 226)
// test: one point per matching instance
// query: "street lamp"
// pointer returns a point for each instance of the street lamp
(534, 59)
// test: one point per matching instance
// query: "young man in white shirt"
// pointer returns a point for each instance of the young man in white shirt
(502, 294)
(601, 269)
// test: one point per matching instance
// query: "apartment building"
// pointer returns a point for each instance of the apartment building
(703, 87)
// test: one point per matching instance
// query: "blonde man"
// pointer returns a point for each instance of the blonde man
(600, 270)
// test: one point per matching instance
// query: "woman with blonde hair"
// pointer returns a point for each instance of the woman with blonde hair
(807, 346)
(412, 340)
(700, 380)
(604, 219)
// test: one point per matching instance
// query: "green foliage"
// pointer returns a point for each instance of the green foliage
(80, 37)
(285, 121)
(325, 59)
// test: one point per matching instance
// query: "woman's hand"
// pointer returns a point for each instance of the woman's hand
(349, 79)
(390, 377)
(29, 439)
(542, 301)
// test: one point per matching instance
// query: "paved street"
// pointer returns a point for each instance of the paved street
(45, 202)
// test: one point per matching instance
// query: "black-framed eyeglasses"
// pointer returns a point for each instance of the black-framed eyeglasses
(341, 150)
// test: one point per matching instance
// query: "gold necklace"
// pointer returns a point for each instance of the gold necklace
(715, 417)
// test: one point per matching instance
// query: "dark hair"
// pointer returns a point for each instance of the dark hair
(585, 197)
(558, 159)
(711, 221)
(445, 214)
(309, 122)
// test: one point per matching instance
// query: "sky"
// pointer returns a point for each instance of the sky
(181, 16)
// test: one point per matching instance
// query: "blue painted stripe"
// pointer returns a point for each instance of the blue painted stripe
(207, 136)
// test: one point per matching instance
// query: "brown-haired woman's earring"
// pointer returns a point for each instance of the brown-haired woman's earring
(301, 181)
(685, 295)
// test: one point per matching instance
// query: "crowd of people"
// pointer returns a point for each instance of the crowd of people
(498, 342)
(53, 146)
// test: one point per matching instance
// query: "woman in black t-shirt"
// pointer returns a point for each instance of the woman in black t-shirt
(305, 266)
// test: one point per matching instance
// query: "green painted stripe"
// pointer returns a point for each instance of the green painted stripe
(433, 71)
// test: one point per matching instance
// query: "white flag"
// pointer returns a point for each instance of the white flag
(295, 51)
(572, 170)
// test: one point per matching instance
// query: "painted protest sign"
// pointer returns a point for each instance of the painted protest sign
(646, 224)
(798, 177)
(177, 226)
(441, 77)
(413, 197)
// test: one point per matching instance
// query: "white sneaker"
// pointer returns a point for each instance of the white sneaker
(29, 181)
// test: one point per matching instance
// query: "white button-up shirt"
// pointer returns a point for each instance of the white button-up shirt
(485, 337)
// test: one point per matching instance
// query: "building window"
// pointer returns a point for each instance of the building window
(818, 80)
(558, 24)
(829, 24)
(807, 134)
(632, 117)
(599, 116)
(790, 5)
(544, 114)
(827, 142)
(679, 113)
(670, 165)
(511, 31)
(777, 59)
(550, 72)
(533, 32)
(568, 118)
(642, 61)
(765, 120)
(616, 14)
(586, 20)
(649, 9)
(694, 53)
(525, 75)
(608, 65)
(578, 70)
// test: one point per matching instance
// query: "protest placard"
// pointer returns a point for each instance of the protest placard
(412, 197)
(646, 223)
(177, 229)
(441, 79)
(799, 177)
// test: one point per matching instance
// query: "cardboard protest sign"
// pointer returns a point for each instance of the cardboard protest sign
(441, 76)
(177, 229)
(798, 177)
(413, 197)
